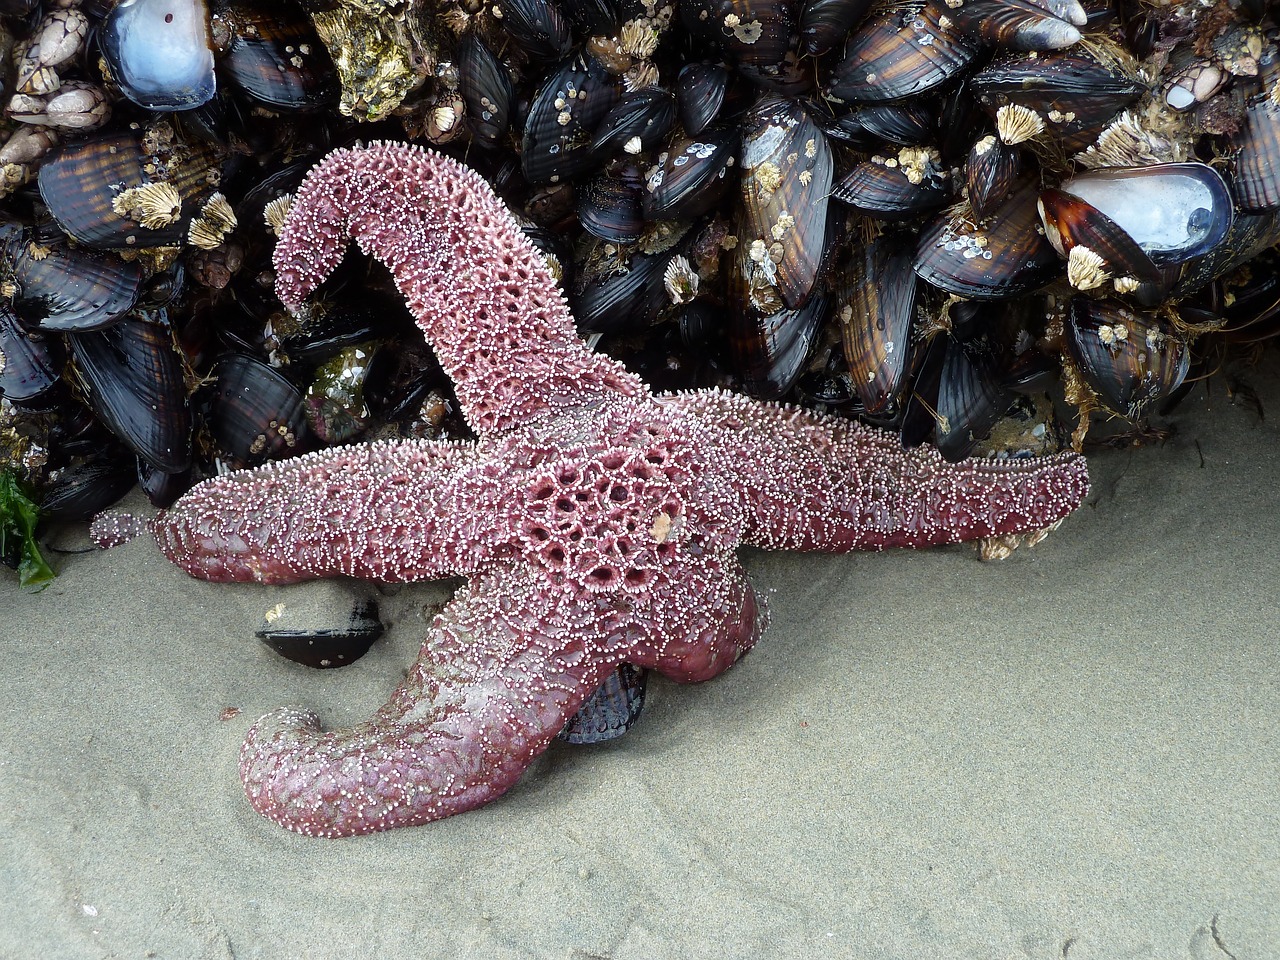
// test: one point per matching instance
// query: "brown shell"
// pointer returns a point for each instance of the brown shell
(991, 171)
(1070, 223)
(876, 316)
(904, 51)
(1003, 256)
(786, 183)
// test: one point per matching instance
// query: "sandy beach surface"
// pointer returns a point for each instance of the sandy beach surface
(1069, 754)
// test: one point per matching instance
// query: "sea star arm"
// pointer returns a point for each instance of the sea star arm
(812, 482)
(379, 511)
(504, 667)
(479, 290)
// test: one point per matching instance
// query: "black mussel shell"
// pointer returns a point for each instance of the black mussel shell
(609, 206)
(891, 188)
(275, 56)
(71, 289)
(1003, 256)
(79, 181)
(1127, 357)
(611, 709)
(824, 23)
(700, 90)
(626, 297)
(1018, 24)
(538, 27)
(1075, 94)
(134, 379)
(486, 89)
(768, 353)
(637, 123)
(902, 124)
(876, 317)
(255, 414)
(83, 490)
(563, 118)
(32, 363)
(159, 52)
(327, 648)
(786, 184)
(900, 53)
(690, 176)
(1249, 236)
(970, 399)
(161, 488)
(752, 33)
(991, 171)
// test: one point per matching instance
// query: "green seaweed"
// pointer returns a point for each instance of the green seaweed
(18, 517)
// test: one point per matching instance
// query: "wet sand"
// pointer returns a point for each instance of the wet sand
(1071, 753)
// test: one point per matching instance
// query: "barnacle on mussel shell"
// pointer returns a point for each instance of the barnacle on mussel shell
(939, 215)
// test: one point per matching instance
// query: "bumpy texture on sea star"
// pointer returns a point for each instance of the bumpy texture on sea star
(596, 523)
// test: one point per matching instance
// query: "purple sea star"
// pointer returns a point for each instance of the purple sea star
(596, 523)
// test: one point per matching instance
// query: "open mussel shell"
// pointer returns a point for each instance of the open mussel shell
(1019, 24)
(876, 316)
(486, 89)
(690, 176)
(1096, 248)
(563, 118)
(1173, 211)
(902, 52)
(884, 188)
(638, 122)
(72, 289)
(32, 363)
(326, 647)
(700, 92)
(1074, 94)
(134, 379)
(1003, 256)
(611, 709)
(786, 184)
(160, 52)
(255, 414)
(1127, 357)
(275, 57)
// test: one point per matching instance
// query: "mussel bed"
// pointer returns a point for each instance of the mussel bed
(939, 216)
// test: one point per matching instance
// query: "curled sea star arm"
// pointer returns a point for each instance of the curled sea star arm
(505, 665)
(701, 629)
(378, 511)
(481, 293)
(812, 482)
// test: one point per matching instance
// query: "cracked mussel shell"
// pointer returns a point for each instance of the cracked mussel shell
(1129, 358)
